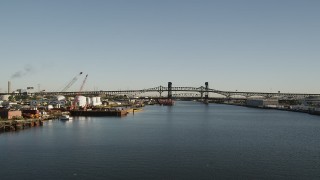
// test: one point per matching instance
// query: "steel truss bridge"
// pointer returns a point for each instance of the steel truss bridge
(189, 92)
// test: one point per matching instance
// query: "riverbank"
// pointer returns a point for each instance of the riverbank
(310, 111)
(20, 124)
(9, 125)
(15, 125)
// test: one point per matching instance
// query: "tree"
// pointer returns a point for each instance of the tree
(12, 98)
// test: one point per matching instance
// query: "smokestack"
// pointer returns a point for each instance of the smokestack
(9, 87)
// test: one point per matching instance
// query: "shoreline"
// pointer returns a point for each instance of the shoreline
(311, 112)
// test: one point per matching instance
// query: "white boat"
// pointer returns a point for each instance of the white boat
(65, 117)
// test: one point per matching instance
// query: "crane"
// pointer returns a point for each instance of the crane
(82, 85)
(71, 82)
(73, 106)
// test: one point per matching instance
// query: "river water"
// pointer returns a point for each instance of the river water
(187, 141)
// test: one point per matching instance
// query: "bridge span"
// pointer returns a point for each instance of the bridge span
(196, 92)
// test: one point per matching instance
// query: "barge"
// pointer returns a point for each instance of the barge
(165, 102)
(102, 112)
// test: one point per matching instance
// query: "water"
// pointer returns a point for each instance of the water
(187, 141)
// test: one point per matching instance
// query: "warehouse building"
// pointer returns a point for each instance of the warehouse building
(262, 102)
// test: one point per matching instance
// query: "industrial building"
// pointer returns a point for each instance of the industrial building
(262, 102)
(57, 101)
(10, 114)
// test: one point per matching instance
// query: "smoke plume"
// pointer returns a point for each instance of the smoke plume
(25, 71)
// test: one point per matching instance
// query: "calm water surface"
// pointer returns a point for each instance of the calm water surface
(187, 141)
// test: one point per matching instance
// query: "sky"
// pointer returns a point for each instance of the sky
(243, 45)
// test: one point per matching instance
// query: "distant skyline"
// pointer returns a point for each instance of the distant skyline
(246, 45)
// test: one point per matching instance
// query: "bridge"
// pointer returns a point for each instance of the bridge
(202, 92)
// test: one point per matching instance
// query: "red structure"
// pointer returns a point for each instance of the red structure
(166, 102)
(30, 113)
(10, 114)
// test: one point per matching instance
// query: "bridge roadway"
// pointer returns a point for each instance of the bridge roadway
(185, 92)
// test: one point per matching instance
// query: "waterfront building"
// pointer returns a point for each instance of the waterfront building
(313, 101)
(57, 101)
(45, 102)
(10, 114)
(262, 102)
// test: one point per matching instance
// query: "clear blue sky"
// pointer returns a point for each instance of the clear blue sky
(244, 45)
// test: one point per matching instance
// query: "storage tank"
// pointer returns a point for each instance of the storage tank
(93, 101)
(89, 100)
(4, 97)
(60, 98)
(50, 107)
(81, 101)
(98, 99)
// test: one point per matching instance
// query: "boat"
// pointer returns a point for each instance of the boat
(65, 117)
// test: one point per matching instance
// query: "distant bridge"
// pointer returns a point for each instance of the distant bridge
(202, 92)
(196, 92)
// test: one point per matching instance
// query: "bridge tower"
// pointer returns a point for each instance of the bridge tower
(160, 90)
(201, 92)
(206, 96)
(169, 90)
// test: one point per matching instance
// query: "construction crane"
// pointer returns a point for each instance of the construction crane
(71, 83)
(73, 106)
